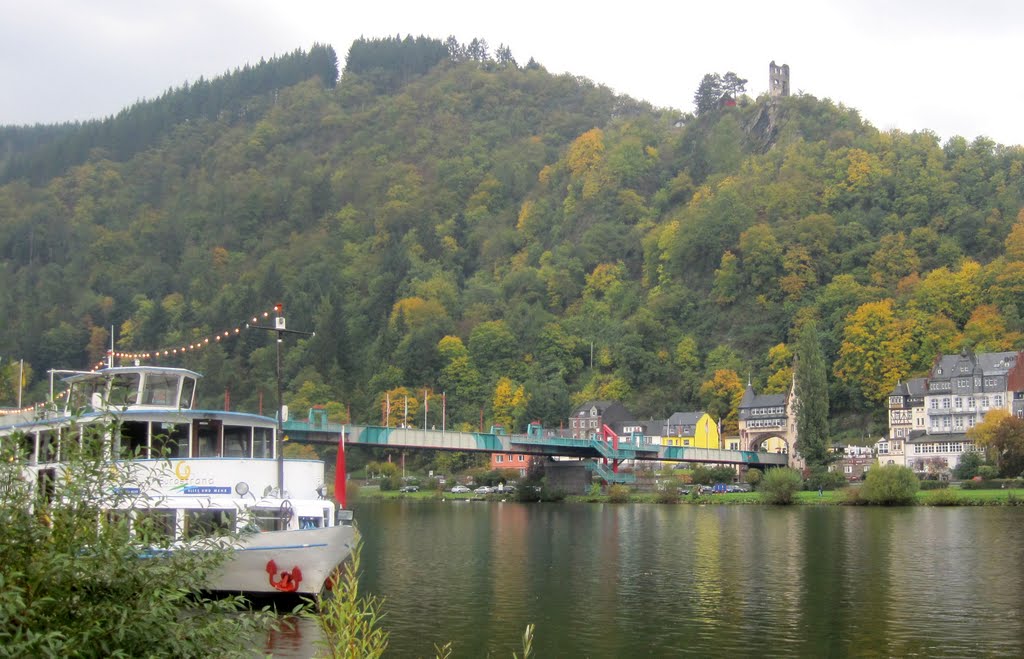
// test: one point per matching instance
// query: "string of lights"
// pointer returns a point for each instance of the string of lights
(192, 346)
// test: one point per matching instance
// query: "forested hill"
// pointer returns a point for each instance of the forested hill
(451, 220)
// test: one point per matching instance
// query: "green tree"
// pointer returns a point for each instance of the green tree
(733, 85)
(811, 376)
(890, 485)
(968, 464)
(708, 93)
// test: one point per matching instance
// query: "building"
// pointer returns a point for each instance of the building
(588, 419)
(695, 429)
(513, 461)
(769, 420)
(778, 79)
(853, 467)
(906, 415)
(957, 394)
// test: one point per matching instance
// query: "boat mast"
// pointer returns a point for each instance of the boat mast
(281, 327)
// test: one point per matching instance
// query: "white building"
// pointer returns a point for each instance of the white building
(928, 425)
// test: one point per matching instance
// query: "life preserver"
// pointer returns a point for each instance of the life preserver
(288, 582)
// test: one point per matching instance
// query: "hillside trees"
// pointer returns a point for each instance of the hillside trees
(530, 217)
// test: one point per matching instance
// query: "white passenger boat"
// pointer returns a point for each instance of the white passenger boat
(192, 471)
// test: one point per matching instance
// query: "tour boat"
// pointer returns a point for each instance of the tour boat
(192, 472)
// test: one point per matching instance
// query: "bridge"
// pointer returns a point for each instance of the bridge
(597, 451)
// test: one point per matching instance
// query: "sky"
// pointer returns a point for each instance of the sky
(948, 66)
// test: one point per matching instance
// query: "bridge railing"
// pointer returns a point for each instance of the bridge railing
(608, 475)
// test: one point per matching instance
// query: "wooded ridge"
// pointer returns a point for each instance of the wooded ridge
(451, 221)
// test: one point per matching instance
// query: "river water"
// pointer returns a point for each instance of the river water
(647, 580)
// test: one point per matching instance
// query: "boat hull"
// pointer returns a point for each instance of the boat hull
(284, 563)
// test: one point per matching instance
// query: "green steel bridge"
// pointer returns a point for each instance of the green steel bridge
(602, 454)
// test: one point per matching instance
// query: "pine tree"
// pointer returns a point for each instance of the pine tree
(812, 397)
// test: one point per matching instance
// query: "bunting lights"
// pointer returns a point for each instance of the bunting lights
(192, 346)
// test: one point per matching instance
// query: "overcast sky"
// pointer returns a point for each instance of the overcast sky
(950, 66)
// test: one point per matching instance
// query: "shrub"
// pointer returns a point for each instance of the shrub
(987, 472)
(934, 485)
(389, 483)
(822, 478)
(75, 587)
(890, 485)
(618, 494)
(945, 497)
(753, 477)
(667, 496)
(995, 484)
(550, 494)
(350, 623)
(967, 466)
(780, 485)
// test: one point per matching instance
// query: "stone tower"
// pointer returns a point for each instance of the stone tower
(778, 79)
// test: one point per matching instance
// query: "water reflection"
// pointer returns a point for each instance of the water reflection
(664, 581)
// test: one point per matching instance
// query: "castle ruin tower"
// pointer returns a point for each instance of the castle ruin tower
(778, 79)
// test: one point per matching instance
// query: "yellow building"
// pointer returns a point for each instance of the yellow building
(694, 429)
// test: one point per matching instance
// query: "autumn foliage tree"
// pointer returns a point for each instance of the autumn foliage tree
(875, 350)
(721, 397)
(1001, 436)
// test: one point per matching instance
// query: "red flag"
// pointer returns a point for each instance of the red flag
(339, 471)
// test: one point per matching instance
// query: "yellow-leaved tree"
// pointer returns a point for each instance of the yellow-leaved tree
(876, 350)
(509, 403)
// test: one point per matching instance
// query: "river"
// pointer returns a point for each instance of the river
(647, 580)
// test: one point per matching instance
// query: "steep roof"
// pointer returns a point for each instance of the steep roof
(988, 363)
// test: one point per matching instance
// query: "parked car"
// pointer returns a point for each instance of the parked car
(685, 491)
(508, 488)
(483, 489)
(409, 488)
(460, 489)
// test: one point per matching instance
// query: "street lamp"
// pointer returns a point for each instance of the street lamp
(281, 327)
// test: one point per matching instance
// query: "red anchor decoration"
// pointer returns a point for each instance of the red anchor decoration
(288, 581)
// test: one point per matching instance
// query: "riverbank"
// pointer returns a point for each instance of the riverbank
(945, 497)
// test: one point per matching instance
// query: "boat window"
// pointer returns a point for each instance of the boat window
(124, 389)
(263, 442)
(170, 440)
(188, 388)
(155, 524)
(48, 446)
(237, 441)
(310, 522)
(68, 444)
(117, 521)
(160, 389)
(46, 480)
(132, 439)
(81, 393)
(201, 522)
(270, 519)
(28, 447)
(206, 439)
